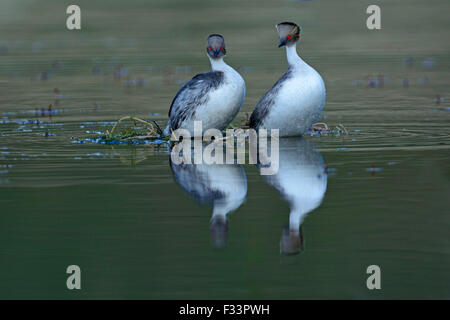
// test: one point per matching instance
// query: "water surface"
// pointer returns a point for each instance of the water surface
(139, 228)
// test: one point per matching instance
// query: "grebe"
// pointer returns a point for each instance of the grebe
(297, 99)
(214, 97)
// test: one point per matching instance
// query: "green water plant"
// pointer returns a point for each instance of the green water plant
(145, 131)
(151, 129)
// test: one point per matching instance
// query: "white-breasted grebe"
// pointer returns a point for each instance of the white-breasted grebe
(297, 99)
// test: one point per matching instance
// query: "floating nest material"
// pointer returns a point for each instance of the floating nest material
(150, 132)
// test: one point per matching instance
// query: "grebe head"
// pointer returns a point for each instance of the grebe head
(215, 46)
(219, 231)
(288, 32)
(291, 242)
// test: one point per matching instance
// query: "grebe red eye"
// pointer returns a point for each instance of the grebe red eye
(221, 48)
(210, 48)
(288, 37)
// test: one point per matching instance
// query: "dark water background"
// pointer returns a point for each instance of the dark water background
(117, 212)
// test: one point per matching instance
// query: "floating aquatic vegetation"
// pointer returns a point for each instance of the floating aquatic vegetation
(148, 133)
(151, 129)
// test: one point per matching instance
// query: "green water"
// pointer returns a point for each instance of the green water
(117, 212)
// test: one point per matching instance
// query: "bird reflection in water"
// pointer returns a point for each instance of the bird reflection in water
(224, 186)
(302, 180)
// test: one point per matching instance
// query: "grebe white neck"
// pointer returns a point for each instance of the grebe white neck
(218, 64)
(292, 55)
